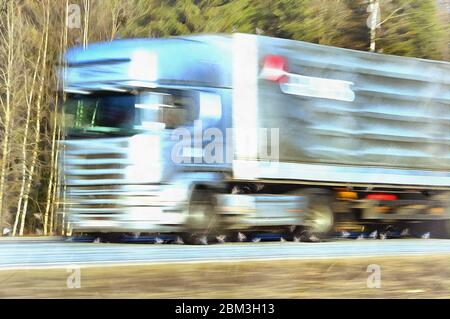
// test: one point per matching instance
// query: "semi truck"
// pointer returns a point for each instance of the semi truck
(225, 134)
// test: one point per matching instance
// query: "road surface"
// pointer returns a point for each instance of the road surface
(29, 254)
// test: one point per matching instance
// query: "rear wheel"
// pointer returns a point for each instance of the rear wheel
(319, 217)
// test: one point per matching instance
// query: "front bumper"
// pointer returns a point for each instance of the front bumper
(152, 219)
(124, 208)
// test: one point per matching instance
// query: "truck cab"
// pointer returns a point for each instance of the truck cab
(128, 103)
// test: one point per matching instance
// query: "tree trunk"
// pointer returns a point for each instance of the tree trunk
(38, 122)
(30, 98)
(7, 106)
(374, 8)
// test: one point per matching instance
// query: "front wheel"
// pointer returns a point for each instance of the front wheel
(203, 222)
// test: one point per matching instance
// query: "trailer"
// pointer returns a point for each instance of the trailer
(218, 134)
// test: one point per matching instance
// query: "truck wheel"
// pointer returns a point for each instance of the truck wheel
(318, 221)
(319, 218)
(203, 222)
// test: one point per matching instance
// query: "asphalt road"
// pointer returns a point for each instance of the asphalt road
(28, 254)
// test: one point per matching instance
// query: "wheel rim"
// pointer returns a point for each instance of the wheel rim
(199, 215)
(200, 223)
(202, 218)
(321, 218)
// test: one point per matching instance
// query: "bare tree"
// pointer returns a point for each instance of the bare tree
(52, 187)
(374, 20)
(39, 101)
(117, 10)
(30, 92)
(6, 76)
(87, 9)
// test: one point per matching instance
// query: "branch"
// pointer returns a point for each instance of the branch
(393, 17)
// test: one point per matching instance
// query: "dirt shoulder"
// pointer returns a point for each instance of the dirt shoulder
(401, 277)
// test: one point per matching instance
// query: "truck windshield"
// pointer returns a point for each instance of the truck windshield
(125, 114)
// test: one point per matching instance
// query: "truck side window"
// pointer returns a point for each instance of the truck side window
(169, 109)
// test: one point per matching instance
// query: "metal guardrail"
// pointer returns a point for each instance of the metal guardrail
(32, 239)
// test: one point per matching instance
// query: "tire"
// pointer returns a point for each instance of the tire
(446, 229)
(203, 223)
(319, 218)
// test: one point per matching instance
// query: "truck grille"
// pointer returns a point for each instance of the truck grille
(97, 182)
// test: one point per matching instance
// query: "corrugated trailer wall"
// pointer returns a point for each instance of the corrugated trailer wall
(399, 117)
